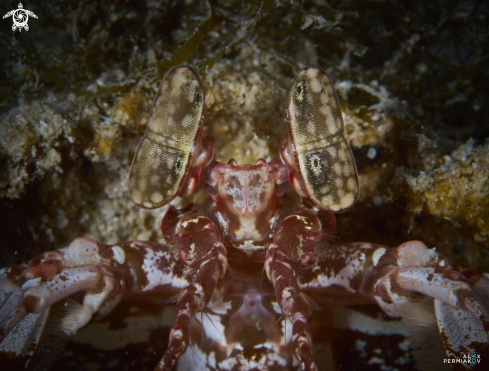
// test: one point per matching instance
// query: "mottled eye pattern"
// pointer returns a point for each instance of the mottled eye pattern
(164, 154)
(322, 155)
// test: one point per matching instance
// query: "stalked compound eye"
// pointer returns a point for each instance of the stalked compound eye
(175, 123)
(322, 156)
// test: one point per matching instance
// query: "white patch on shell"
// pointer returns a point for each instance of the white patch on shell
(377, 255)
(154, 274)
(315, 84)
(347, 200)
(119, 254)
(228, 363)
(312, 73)
(248, 247)
(351, 185)
(324, 98)
(219, 306)
(327, 201)
(337, 168)
(298, 316)
(154, 164)
(353, 264)
(334, 207)
(326, 111)
(156, 197)
(187, 120)
(342, 155)
(177, 81)
(276, 308)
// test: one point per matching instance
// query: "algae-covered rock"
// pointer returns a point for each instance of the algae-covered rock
(456, 190)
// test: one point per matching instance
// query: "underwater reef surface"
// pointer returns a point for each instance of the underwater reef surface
(76, 89)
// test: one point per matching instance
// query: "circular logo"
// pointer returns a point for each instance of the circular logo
(20, 18)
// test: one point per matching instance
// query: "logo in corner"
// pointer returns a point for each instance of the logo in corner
(20, 17)
(465, 358)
